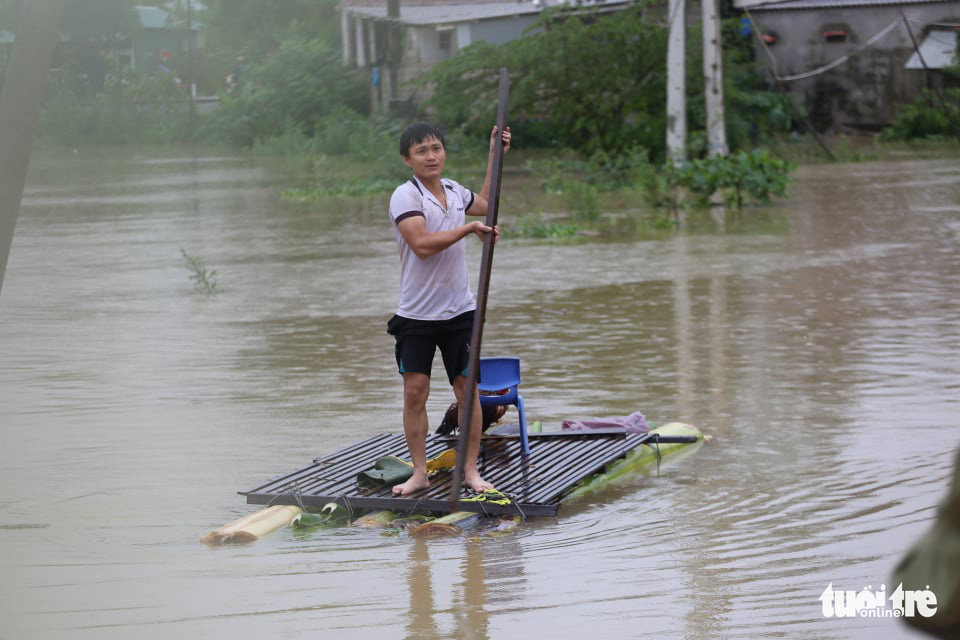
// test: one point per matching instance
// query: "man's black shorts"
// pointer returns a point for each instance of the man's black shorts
(417, 342)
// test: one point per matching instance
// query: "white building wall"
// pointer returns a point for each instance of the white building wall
(500, 31)
(862, 91)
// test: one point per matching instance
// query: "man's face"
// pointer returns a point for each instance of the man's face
(427, 158)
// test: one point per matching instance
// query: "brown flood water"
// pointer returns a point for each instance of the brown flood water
(816, 341)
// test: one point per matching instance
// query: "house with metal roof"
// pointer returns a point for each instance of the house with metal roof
(395, 41)
(849, 62)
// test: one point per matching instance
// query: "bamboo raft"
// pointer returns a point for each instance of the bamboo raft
(536, 483)
(562, 467)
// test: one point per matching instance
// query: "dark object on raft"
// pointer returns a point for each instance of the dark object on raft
(451, 419)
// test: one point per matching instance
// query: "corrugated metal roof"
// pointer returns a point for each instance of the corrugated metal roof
(938, 50)
(452, 14)
(788, 5)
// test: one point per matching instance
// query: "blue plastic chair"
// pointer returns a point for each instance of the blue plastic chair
(497, 374)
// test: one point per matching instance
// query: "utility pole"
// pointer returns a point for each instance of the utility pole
(676, 84)
(394, 46)
(713, 79)
(192, 78)
(38, 22)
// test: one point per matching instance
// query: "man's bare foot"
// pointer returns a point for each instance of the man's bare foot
(411, 486)
(473, 480)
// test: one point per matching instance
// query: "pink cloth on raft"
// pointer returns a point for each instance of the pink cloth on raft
(633, 423)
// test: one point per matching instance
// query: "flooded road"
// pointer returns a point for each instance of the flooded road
(815, 341)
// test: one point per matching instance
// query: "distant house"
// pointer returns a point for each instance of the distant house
(429, 31)
(937, 51)
(161, 37)
(849, 62)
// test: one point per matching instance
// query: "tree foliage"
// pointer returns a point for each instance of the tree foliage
(99, 21)
(257, 27)
(89, 29)
(296, 87)
(927, 117)
(596, 83)
(131, 108)
(294, 76)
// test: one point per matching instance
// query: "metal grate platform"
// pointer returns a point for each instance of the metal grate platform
(536, 482)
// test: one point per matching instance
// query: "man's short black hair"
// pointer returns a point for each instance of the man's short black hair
(417, 133)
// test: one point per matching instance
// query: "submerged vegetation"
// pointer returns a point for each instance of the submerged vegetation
(735, 177)
(932, 115)
(203, 279)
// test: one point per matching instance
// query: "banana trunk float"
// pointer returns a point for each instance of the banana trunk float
(252, 526)
(638, 460)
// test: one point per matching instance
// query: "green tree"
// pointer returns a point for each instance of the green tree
(929, 116)
(599, 82)
(90, 30)
(257, 27)
(99, 21)
(934, 113)
(295, 88)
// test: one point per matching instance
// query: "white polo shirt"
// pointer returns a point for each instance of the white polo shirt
(438, 287)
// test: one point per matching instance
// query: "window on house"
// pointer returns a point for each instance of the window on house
(446, 40)
(835, 33)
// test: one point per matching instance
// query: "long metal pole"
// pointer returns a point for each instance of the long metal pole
(38, 22)
(483, 286)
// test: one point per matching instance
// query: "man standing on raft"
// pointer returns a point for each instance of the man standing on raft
(436, 306)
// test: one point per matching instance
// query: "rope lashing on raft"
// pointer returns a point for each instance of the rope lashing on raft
(497, 497)
(656, 447)
(297, 495)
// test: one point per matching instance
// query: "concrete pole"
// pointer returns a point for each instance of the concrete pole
(713, 79)
(361, 43)
(394, 45)
(345, 37)
(677, 84)
(37, 27)
(191, 74)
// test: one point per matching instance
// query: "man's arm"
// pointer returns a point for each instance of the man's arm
(426, 243)
(481, 199)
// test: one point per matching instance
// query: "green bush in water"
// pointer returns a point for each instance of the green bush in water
(927, 117)
(756, 174)
(298, 85)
